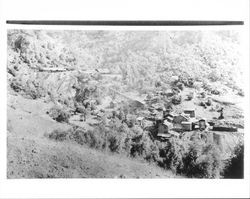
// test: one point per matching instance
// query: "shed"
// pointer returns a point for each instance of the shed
(181, 118)
(190, 112)
(187, 126)
(202, 124)
(169, 119)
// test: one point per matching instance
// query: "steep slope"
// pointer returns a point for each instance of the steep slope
(32, 155)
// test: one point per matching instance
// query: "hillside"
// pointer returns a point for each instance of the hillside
(89, 103)
(32, 155)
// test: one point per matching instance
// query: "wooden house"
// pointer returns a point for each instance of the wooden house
(181, 118)
(187, 125)
(190, 112)
(202, 124)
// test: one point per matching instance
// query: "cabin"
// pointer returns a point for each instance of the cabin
(169, 116)
(225, 128)
(190, 112)
(202, 124)
(187, 126)
(181, 118)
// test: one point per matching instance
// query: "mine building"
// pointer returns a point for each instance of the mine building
(202, 124)
(181, 118)
(190, 112)
(187, 125)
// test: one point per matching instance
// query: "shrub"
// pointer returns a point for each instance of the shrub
(176, 99)
(114, 143)
(16, 85)
(172, 154)
(30, 88)
(235, 166)
(59, 135)
(203, 104)
(59, 114)
(241, 93)
(203, 161)
(79, 136)
(180, 85)
(209, 102)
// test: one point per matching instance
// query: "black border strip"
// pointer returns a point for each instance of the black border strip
(125, 23)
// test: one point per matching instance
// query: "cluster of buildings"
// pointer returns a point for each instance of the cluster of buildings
(172, 124)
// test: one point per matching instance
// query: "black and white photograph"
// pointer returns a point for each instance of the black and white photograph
(124, 99)
(124, 104)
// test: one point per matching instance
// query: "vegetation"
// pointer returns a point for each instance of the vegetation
(59, 114)
(235, 166)
(162, 65)
(194, 158)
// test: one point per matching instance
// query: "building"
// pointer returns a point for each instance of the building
(169, 116)
(202, 124)
(187, 125)
(181, 118)
(190, 112)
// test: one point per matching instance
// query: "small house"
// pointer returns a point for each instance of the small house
(169, 119)
(181, 118)
(169, 116)
(186, 125)
(190, 112)
(202, 124)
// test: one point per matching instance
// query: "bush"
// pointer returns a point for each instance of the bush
(241, 93)
(180, 85)
(196, 158)
(235, 166)
(114, 143)
(30, 88)
(203, 161)
(59, 135)
(16, 85)
(209, 102)
(172, 154)
(59, 114)
(176, 99)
